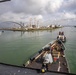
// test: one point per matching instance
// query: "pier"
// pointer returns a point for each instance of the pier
(27, 29)
(30, 26)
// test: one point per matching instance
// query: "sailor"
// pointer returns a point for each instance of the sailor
(62, 33)
(59, 33)
(48, 59)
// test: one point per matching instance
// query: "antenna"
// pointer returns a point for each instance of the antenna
(4, 0)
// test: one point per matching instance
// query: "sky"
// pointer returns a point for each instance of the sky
(45, 11)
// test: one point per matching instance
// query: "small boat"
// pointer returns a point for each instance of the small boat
(61, 37)
(50, 58)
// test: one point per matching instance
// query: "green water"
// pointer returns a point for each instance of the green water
(17, 47)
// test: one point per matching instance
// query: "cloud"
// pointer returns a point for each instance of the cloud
(52, 10)
(36, 6)
(19, 17)
(32, 6)
(54, 5)
(5, 7)
(69, 5)
(69, 15)
(29, 6)
(9, 16)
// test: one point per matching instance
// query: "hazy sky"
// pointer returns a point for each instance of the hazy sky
(48, 11)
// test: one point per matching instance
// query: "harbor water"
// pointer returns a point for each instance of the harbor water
(17, 47)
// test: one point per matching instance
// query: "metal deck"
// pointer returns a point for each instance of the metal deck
(58, 65)
(14, 70)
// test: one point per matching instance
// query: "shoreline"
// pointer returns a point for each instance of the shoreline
(29, 29)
